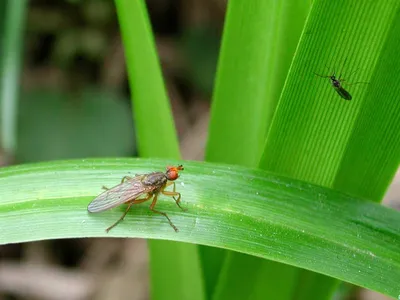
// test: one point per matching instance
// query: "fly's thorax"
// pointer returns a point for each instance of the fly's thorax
(335, 83)
(156, 179)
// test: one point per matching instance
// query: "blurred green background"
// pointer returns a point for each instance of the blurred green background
(74, 101)
(74, 94)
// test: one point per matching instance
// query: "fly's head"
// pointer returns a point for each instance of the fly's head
(335, 82)
(173, 172)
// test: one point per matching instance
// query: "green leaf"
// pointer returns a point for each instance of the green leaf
(156, 137)
(253, 278)
(260, 38)
(232, 207)
(317, 136)
(152, 113)
(324, 138)
(10, 71)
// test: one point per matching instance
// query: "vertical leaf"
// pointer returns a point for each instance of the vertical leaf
(319, 137)
(259, 41)
(10, 71)
(156, 137)
(316, 136)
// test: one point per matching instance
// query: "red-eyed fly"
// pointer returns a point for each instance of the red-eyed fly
(138, 189)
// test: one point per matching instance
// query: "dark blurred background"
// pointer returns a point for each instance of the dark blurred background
(75, 102)
(74, 98)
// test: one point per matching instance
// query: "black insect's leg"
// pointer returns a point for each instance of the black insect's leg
(161, 213)
(353, 72)
(348, 84)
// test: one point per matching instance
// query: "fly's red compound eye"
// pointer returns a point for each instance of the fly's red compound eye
(173, 172)
(172, 175)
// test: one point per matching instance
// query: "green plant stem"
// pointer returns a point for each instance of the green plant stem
(10, 72)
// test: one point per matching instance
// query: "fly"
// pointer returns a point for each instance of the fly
(337, 83)
(138, 189)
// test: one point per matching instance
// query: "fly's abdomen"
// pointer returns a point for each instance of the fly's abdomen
(343, 93)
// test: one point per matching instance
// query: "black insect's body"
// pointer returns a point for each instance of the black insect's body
(336, 83)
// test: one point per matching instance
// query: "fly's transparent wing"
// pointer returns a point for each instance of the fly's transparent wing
(128, 190)
(343, 93)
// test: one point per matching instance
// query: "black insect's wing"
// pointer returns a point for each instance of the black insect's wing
(343, 93)
(128, 190)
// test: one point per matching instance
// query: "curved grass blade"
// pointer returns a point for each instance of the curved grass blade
(236, 208)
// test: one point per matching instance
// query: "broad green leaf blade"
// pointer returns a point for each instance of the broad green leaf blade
(152, 113)
(312, 137)
(156, 137)
(373, 150)
(240, 101)
(236, 208)
(10, 64)
(259, 42)
(319, 137)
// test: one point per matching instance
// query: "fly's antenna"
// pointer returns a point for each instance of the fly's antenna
(322, 76)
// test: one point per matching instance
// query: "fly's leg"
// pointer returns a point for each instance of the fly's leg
(347, 84)
(173, 194)
(120, 219)
(161, 213)
(353, 72)
(177, 201)
(322, 76)
(125, 178)
(136, 201)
